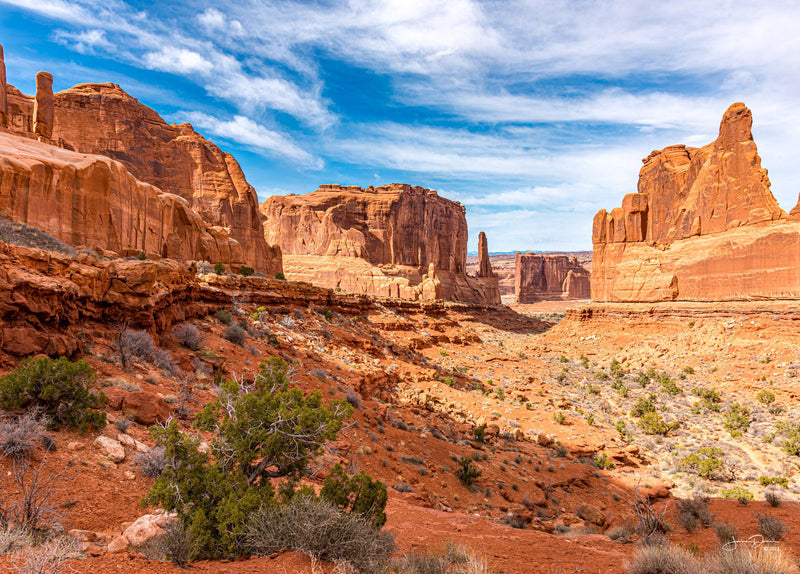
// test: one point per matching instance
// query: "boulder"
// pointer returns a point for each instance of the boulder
(111, 448)
(145, 408)
(145, 528)
(591, 514)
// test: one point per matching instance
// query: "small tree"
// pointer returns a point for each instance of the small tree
(358, 493)
(62, 389)
(262, 430)
(219, 268)
(246, 271)
(467, 472)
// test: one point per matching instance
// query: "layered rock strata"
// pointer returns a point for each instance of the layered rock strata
(704, 226)
(94, 202)
(396, 240)
(102, 119)
(548, 277)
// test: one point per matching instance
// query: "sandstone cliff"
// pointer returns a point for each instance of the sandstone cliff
(93, 201)
(546, 277)
(396, 240)
(703, 226)
(102, 119)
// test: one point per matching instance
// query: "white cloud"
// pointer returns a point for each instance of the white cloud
(84, 42)
(178, 60)
(215, 21)
(245, 131)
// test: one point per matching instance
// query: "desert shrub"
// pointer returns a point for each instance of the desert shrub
(791, 440)
(654, 423)
(707, 462)
(189, 336)
(29, 236)
(452, 559)
(359, 494)
(643, 406)
(479, 434)
(246, 271)
(50, 557)
(709, 400)
(694, 514)
(737, 420)
(262, 430)
(668, 385)
(174, 544)
(772, 498)
(353, 398)
(122, 425)
(467, 472)
(235, 334)
(35, 505)
(134, 344)
(662, 559)
(319, 529)
(219, 268)
(151, 462)
(775, 480)
(60, 388)
(163, 359)
(620, 534)
(280, 276)
(771, 527)
(765, 397)
(223, 316)
(743, 495)
(748, 561)
(726, 532)
(21, 435)
(602, 461)
(650, 522)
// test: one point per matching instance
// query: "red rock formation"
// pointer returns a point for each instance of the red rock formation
(703, 226)
(102, 119)
(484, 264)
(548, 277)
(389, 225)
(43, 107)
(379, 241)
(93, 201)
(3, 97)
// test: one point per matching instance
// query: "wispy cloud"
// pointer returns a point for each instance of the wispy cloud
(245, 131)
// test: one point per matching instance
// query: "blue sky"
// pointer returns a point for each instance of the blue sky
(534, 114)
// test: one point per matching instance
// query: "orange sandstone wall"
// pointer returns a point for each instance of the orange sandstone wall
(704, 226)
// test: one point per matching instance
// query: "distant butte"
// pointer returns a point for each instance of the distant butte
(394, 240)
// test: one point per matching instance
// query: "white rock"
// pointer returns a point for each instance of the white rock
(146, 528)
(113, 449)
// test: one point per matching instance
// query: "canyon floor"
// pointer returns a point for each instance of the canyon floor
(554, 389)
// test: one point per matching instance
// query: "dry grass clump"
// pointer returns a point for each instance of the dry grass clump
(319, 529)
(452, 560)
(21, 435)
(667, 559)
(189, 336)
(694, 514)
(662, 559)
